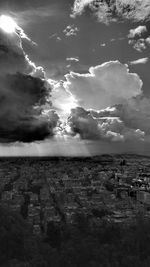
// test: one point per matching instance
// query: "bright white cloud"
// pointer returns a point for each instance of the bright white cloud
(105, 85)
(63, 101)
(136, 32)
(143, 60)
(75, 59)
(79, 6)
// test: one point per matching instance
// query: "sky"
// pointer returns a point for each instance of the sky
(74, 77)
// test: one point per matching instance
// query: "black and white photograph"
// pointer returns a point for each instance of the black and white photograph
(74, 133)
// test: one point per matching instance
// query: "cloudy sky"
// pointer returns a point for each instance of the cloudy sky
(74, 77)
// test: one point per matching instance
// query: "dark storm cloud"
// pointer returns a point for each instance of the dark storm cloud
(12, 56)
(25, 113)
(22, 98)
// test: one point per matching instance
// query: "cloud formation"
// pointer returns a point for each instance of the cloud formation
(24, 93)
(75, 59)
(71, 30)
(89, 106)
(138, 39)
(143, 60)
(114, 10)
(27, 113)
(111, 107)
(105, 85)
(134, 113)
(83, 122)
(62, 100)
(136, 32)
(139, 45)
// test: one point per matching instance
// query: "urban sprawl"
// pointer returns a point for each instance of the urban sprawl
(44, 190)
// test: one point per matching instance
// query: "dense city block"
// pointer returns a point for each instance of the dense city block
(61, 201)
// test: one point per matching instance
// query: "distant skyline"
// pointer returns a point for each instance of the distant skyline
(74, 77)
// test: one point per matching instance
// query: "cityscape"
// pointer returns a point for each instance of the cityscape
(64, 211)
(47, 190)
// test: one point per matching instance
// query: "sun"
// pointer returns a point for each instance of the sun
(7, 24)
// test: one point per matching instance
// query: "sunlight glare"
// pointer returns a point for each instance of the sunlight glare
(7, 24)
(66, 107)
